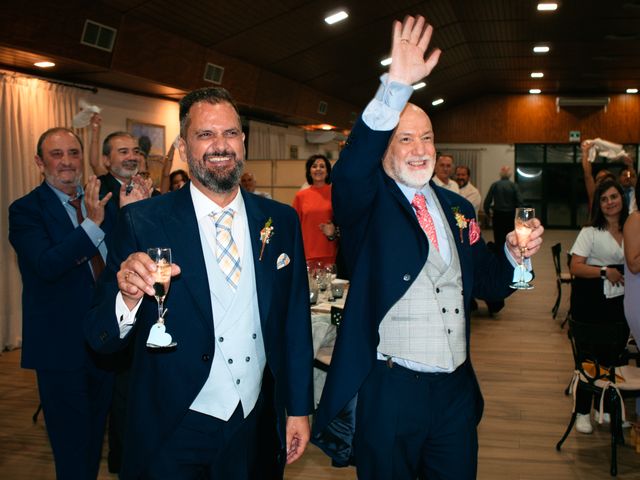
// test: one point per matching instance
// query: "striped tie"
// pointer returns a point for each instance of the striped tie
(226, 249)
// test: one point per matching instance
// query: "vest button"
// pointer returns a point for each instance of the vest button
(230, 361)
(406, 277)
(238, 382)
(221, 339)
(437, 290)
(449, 330)
(457, 310)
(254, 336)
(205, 357)
(444, 310)
(247, 359)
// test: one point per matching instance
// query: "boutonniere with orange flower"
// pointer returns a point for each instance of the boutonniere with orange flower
(265, 235)
(461, 221)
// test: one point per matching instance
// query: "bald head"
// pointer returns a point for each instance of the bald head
(410, 156)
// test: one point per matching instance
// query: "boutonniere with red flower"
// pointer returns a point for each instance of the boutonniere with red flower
(265, 235)
(461, 221)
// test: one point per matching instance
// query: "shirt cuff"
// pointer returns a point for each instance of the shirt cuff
(126, 318)
(514, 262)
(93, 231)
(383, 111)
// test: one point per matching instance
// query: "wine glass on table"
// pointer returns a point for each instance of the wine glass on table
(158, 338)
(524, 226)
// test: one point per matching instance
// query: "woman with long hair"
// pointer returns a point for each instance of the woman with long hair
(597, 257)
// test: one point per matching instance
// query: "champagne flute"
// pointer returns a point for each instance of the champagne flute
(162, 259)
(523, 226)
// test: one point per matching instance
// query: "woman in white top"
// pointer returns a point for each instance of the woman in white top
(597, 257)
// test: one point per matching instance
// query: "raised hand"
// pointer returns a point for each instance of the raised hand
(410, 41)
(94, 205)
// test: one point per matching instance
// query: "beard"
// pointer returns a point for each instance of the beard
(217, 180)
(412, 179)
(127, 170)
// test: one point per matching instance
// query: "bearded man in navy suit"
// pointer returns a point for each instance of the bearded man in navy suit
(416, 259)
(237, 387)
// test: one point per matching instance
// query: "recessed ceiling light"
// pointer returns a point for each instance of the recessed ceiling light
(547, 6)
(437, 101)
(419, 85)
(540, 49)
(385, 62)
(45, 64)
(535, 91)
(336, 17)
(537, 74)
(632, 90)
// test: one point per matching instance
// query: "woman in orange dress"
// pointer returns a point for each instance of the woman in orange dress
(313, 205)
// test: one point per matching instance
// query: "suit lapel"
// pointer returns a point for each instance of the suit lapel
(263, 268)
(52, 205)
(181, 227)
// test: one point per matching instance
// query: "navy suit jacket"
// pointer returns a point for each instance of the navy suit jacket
(57, 283)
(385, 249)
(165, 383)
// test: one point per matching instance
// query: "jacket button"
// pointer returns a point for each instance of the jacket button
(230, 361)
(254, 336)
(238, 382)
(406, 277)
(444, 310)
(449, 330)
(437, 290)
(205, 357)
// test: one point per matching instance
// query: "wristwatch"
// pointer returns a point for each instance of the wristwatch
(603, 272)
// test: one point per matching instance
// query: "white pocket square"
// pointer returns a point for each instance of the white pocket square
(283, 261)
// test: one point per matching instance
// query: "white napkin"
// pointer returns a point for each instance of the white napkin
(611, 290)
(83, 117)
(606, 149)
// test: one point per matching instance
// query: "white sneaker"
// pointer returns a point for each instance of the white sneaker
(606, 419)
(583, 423)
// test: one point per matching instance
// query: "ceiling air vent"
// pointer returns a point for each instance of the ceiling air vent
(323, 107)
(600, 102)
(98, 36)
(213, 73)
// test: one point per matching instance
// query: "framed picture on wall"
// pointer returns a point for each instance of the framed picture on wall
(155, 134)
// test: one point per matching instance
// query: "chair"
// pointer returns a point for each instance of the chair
(603, 374)
(560, 277)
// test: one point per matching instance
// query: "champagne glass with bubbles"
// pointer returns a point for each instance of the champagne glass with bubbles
(524, 226)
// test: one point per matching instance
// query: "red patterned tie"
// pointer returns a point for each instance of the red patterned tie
(419, 203)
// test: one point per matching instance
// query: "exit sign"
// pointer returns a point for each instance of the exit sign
(574, 136)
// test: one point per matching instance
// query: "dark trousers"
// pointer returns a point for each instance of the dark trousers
(75, 405)
(503, 223)
(416, 425)
(117, 420)
(207, 448)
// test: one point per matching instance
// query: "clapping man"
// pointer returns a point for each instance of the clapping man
(59, 233)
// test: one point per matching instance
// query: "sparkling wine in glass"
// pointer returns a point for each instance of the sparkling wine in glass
(523, 225)
(162, 258)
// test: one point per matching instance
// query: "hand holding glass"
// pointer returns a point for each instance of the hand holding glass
(524, 226)
(162, 259)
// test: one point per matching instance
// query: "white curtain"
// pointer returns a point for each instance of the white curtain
(266, 142)
(28, 107)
